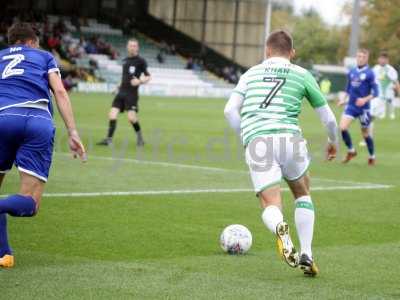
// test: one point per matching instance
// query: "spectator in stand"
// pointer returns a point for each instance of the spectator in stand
(101, 46)
(190, 63)
(197, 65)
(67, 38)
(58, 40)
(53, 42)
(73, 51)
(164, 48)
(68, 82)
(232, 75)
(160, 57)
(93, 64)
(3, 43)
(106, 48)
(90, 47)
(76, 23)
(80, 47)
(60, 27)
(114, 53)
(129, 26)
(225, 73)
(172, 49)
(126, 26)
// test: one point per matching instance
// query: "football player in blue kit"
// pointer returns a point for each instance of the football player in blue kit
(361, 89)
(26, 124)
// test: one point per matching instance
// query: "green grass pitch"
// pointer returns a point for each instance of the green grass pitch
(145, 224)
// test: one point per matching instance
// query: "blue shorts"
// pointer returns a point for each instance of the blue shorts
(364, 115)
(26, 139)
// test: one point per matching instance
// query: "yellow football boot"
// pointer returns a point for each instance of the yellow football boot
(7, 261)
(308, 266)
(285, 246)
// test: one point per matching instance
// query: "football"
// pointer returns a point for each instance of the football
(236, 239)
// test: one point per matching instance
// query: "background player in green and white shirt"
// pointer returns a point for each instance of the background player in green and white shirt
(264, 108)
(387, 80)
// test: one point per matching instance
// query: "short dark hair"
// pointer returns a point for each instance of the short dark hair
(280, 41)
(384, 54)
(21, 32)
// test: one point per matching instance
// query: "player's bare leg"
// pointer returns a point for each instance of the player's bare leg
(112, 117)
(391, 109)
(300, 187)
(272, 217)
(31, 186)
(344, 125)
(134, 120)
(370, 145)
(6, 260)
(304, 219)
(24, 204)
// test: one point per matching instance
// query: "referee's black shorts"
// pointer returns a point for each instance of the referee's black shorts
(126, 101)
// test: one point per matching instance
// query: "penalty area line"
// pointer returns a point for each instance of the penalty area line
(201, 191)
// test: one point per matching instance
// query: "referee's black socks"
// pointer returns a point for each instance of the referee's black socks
(136, 126)
(111, 128)
(139, 141)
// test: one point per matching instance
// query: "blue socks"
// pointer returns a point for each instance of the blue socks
(370, 145)
(347, 139)
(4, 246)
(18, 206)
(368, 140)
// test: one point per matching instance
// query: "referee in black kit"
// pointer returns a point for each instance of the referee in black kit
(134, 73)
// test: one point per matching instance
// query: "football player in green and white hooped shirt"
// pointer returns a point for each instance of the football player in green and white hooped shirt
(387, 80)
(264, 108)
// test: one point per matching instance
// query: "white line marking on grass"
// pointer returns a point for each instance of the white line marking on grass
(161, 163)
(201, 191)
(205, 168)
(346, 181)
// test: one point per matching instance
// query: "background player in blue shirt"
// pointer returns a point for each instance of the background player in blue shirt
(361, 89)
(26, 124)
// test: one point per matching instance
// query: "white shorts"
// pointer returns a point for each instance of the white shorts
(271, 157)
(378, 108)
(396, 102)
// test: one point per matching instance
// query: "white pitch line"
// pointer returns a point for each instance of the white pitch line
(346, 181)
(205, 168)
(202, 191)
(161, 163)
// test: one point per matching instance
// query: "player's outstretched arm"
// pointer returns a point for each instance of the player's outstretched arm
(321, 107)
(65, 109)
(232, 111)
(234, 104)
(329, 121)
